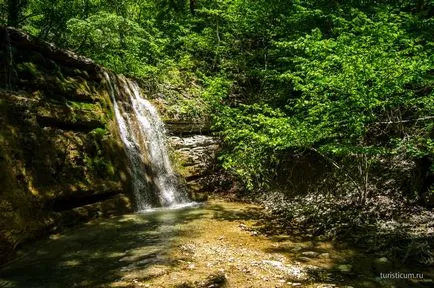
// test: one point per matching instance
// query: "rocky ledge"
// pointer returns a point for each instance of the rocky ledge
(195, 159)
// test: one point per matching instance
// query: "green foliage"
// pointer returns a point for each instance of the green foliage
(334, 85)
(256, 135)
(340, 77)
(99, 133)
(358, 76)
(3, 12)
(118, 43)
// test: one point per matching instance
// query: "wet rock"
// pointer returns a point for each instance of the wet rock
(275, 264)
(383, 264)
(345, 268)
(304, 259)
(195, 154)
(382, 260)
(215, 280)
(198, 196)
(311, 254)
(324, 255)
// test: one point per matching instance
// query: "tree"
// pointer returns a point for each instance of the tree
(15, 9)
(193, 5)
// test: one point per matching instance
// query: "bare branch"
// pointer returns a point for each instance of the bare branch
(406, 121)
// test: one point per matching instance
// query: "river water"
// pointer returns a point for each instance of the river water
(190, 246)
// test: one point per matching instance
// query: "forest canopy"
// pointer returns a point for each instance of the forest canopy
(336, 77)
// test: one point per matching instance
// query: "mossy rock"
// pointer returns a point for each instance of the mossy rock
(28, 70)
(199, 196)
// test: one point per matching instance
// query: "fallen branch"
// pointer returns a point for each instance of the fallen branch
(407, 121)
(356, 185)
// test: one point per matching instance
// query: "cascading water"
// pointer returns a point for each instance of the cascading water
(154, 182)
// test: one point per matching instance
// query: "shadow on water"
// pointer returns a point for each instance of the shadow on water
(97, 253)
(341, 262)
(103, 252)
(329, 262)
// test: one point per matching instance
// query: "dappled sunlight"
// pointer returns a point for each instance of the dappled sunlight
(99, 252)
(166, 248)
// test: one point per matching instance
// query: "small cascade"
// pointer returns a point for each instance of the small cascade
(154, 182)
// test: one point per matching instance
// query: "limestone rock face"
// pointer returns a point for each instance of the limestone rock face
(187, 128)
(61, 159)
(195, 158)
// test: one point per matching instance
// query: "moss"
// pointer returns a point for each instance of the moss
(99, 133)
(45, 66)
(78, 72)
(28, 69)
(54, 68)
(101, 166)
(82, 105)
(75, 89)
(37, 58)
(178, 161)
(83, 88)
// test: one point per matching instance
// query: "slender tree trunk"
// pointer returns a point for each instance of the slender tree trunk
(193, 5)
(13, 12)
(15, 8)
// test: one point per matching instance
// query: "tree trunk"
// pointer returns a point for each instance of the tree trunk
(15, 8)
(193, 6)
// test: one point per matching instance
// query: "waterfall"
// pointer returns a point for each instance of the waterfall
(154, 182)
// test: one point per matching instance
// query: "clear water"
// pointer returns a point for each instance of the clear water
(143, 134)
(165, 248)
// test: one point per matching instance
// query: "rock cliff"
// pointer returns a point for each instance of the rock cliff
(60, 155)
(195, 157)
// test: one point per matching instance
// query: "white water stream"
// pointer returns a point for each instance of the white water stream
(154, 182)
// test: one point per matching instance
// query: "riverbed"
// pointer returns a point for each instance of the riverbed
(218, 244)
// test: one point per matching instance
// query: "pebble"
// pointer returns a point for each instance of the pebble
(324, 255)
(345, 268)
(382, 260)
(310, 254)
(275, 264)
(304, 259)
